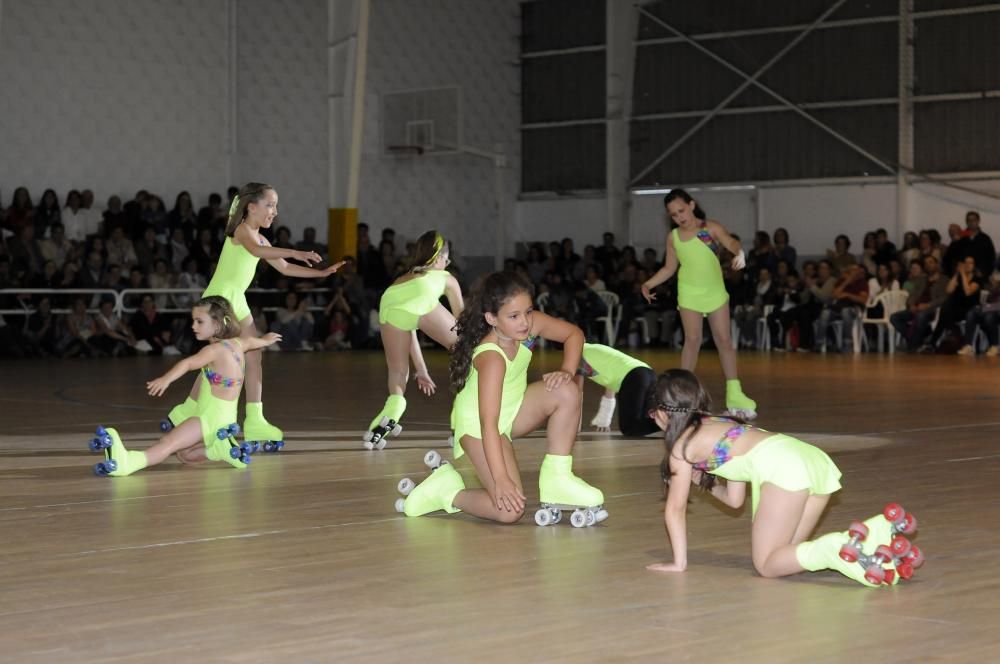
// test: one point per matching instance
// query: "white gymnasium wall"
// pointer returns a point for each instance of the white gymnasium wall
(419, 44)
(122, 95)
(282, 107)
(114, 96)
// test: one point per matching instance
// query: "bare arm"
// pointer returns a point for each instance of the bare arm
(675, 516)
(670, 266)
(570, 336)
(158, 386)
(256, 343)
(491, 369)
(454, 294)
(722, 236)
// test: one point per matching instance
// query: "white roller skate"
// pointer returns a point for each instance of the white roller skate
(376, 439)
(559, 489)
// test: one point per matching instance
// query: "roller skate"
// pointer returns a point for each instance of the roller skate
(739, 404)
(874, 553)
(178, 414)
(258, 433)
(559, 489)
(226, 448)
(118, 461)
(437, 492)
(386, 423)
(903, 556)
(376, 438)
(602, 420)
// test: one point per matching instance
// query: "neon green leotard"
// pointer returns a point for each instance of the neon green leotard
(465, 410)
(404, 303)
(609, 366)
(699, 280)
(232, 277)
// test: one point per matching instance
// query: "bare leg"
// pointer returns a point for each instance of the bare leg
(560, 408)
(253, 383)
(397, 357)
(810, 517)
(439, 325)
(772, 539)
(479, 502)
(178, 439)
(194, 454)
(718, 322)
(692, 323)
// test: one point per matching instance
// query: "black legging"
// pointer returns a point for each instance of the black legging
(633, 406)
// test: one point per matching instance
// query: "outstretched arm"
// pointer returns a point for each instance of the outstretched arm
(675, 516)
(257, 343)
(158, 386)
(663, 274)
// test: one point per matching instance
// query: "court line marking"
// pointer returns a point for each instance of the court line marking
(978, 458)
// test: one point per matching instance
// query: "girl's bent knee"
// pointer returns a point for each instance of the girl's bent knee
(510, 517)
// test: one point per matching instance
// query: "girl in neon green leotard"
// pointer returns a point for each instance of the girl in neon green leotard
(494, 405)
(692, 252)
(791, 484)
(412, 302)
(222, 365)
(255, 207)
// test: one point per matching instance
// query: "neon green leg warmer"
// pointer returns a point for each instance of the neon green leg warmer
(824, 552)
(437, 492)
(255, 427)
(393, 409)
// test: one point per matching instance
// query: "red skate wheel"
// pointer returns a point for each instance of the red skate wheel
(859, 530)
(909, 525)
(849, 553)
(905, 570)
(914, 557)
(890, 576)
(900, 545)
(875, 575)
(893, 512)
(883, 552)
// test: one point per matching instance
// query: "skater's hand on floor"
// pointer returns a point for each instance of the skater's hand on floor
(157, 387)
(507, 497)
(425, 383)
(664, 567)
(556, 379)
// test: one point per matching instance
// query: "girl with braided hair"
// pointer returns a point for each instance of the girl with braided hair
(791, 483)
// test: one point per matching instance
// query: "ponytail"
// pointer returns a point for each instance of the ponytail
(251, 192)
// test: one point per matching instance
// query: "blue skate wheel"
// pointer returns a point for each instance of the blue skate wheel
(101, 431)
(166, 425)
(99, 469)
(268, 446)
(222, 433)
(235, 452)
(256, 446)
(234, 428)
(95, 445)
(278, 444)
(246, 458)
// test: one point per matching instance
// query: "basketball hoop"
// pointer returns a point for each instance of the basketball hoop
(404, 150)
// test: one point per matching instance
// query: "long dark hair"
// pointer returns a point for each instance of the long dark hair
(489, 295)
(429, 247)
(686, 197)
(249, 193)
(680, 393)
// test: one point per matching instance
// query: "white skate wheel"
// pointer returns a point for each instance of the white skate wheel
(367, 436)
(556, 515)
(369, 445)
(432, 459)
(601, 515)
(399, 505)
(543, 517)
(405, 486)
(578, 519)
(398, 429)
(591, 517)
(384, 421)
(381, 444)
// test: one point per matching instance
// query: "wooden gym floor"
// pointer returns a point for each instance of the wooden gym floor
(301, 558)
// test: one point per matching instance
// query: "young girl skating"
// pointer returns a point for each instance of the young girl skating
(791, 483)
(412, 303)
(254, 208)
(693, 252)
(495, 405)
(209, 434)
(626, 381)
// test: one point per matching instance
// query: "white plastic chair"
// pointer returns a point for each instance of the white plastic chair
(891, 301)
(541, 302)
(763, 334)
(614, 316)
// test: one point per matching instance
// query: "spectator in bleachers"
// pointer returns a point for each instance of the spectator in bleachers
(884, 249)
(661, 314)
(91, 215)
(149, 325)
(986, 317)
(189, 278)
(916, 277)
(370, 266)
(121, 250)
(869, 251)
(114, 217)
(978, 244)
(925, 243)
(112, 336)
(92, 274)
(149, 249)
(46, 214)
(882, 281)
(763, 293)
(573, 265)
(607, 254)
(387, 254)
(953, 254)
(182, 216)
(41, 329)
(536, 263)
(911, 248)
(74, 219)
(593, 280)
(783, 249)
(790, 296)
(177, 250)
(48, 278)
(840, 256)
(210, 214)
(283, 238)
(57, 248)
(25, 253)
(113, 277)
(914, 322)
(820, 289)
(161, 277)
(850, 296)
(896, 271)
(78, 329)
(963, 295)
(294, 323)
(762, 255)
(561, 298)
(21, 211)
(206, 252)
(133, 213)
(649, 263)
